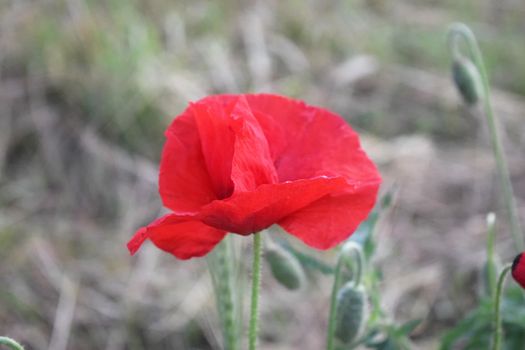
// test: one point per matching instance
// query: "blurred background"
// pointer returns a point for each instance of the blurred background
(87, 88)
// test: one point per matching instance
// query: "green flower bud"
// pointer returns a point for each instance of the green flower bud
(285, 267)
(468, 80)
(351, 312)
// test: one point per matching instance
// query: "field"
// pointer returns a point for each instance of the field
(87, 88)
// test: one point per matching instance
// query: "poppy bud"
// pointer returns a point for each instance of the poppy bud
(351, 312)
(467, 79)
(518, 270)
(286, 269)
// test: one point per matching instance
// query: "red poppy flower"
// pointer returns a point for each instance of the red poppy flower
(518, 270)
(240, 163)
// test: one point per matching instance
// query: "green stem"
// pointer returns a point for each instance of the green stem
(256, 286)
(229, 310)
(461, 30)
(220, 265)
(498, 331)
(11, 343)
(491, 263)
(359, 271)
(333, 303)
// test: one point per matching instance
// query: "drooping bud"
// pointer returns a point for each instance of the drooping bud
(285, 267)
(518, 270)
(467, 79)
(351, 312)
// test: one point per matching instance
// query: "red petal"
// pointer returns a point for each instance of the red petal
(179, 235)
(217, 140)
(252, 164)
(184, 183)
(330, 220)
(275, 115)
(249, 212)
(234, 146)
(309, 141)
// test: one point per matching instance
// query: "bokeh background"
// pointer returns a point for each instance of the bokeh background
(87, 88)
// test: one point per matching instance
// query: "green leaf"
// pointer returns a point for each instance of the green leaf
(408, 327)
(473, 329)
(307, 261)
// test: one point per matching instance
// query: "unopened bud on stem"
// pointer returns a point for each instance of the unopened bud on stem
(467, 79)
(518, 270)
(285, 267)
(351, 312)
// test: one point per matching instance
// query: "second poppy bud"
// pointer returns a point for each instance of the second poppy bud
(518, 270)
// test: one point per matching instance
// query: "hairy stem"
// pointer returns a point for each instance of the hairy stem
(11, 343)
(256, 286)
(221, 266)
(333, 303)
(491, 264)
(498, 330)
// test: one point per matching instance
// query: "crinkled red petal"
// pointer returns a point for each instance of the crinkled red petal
(184, 183)
(309, 141)
(233, 144)
(252, 163)
(249, 212)
(217, 138)
(333, 218)
(179, 235)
